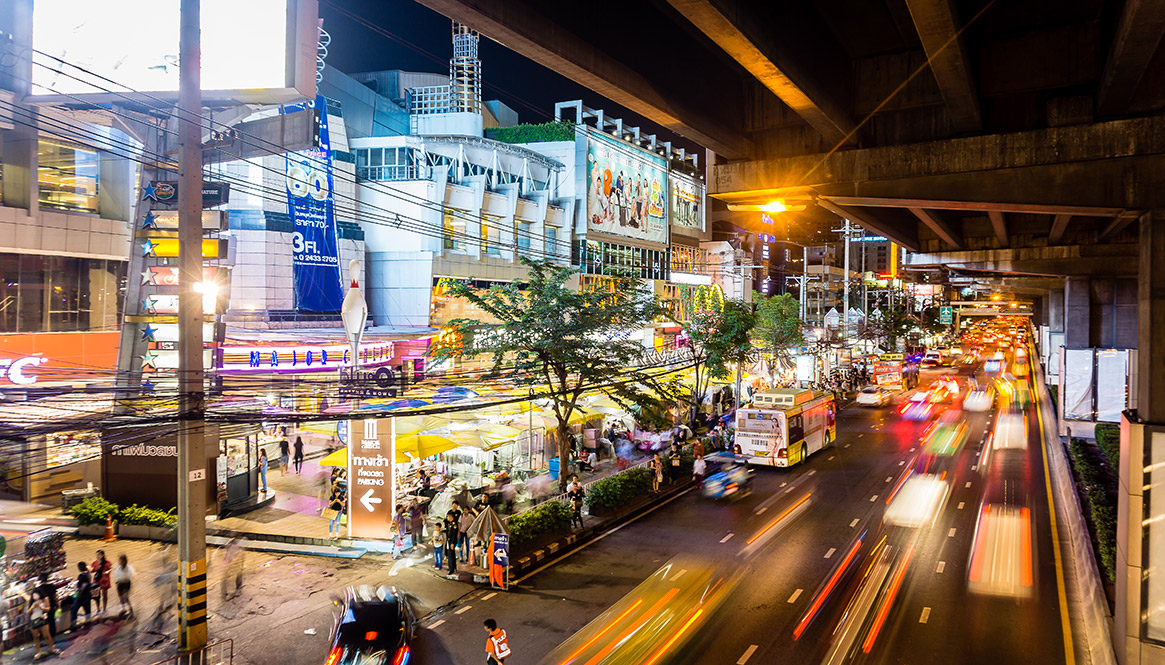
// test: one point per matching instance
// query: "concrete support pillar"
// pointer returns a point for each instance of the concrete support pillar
(19, 161)
(1139, 619)
(1077, 313)
(1056, 310)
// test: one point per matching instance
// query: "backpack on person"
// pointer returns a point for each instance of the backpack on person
(501, 646)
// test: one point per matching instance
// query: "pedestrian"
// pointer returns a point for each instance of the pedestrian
(49, 592)
(416, 522)
(232, 566)
(166, 587)
(284, 456)
(38, 617)
(82, 596)
(450, 531)
(698, 448)
(575, 493)
(397, 529)
(438, 545)
(324, 489)
(463, 523)
(123, 575)
(298, 454)
(699, 470)
(101, 569)
(263, 469)
(335, 509)
(656, 472)
(497, 647)
(674, 460)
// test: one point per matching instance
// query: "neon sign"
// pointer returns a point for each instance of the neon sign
(14, 370)
(302, 358)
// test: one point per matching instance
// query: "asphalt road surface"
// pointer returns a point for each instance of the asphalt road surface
(929, 617)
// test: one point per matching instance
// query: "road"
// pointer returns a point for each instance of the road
(931, 617)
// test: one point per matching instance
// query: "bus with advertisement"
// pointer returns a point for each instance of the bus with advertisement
(896, 371)
(784, 426)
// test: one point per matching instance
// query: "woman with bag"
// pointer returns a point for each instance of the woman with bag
(101, 568)
(38, 623)
(335, 509)
(656, 472)
(396, 528)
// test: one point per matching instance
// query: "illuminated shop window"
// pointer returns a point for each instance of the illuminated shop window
(491, 234)
(454, 226)
(67, 176)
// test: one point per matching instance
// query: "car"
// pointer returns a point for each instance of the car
(873, 396)
(913, 410)
(730, 477)
(978, 400)
(375, 626)
(945, 436)
(932, 359)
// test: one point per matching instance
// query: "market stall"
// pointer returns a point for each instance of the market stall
(41, 552)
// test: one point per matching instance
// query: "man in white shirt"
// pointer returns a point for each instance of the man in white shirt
(699, 469)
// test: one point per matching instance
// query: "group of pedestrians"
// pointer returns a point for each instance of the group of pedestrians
(666, 469)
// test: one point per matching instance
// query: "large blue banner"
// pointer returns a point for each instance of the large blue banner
(315, 258)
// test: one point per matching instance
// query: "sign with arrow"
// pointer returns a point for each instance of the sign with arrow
(371, 455)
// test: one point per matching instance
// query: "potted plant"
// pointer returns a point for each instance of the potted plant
(146, 523)
(92, 515)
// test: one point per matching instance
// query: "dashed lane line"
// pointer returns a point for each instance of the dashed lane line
(961, 504)
(463, 610)
(436, 623)
(889, 478)
(951, 533)
(796, 594)
(747, 654)
(968, 484)
(727, 538)
(925, 615)
(490, 595)
(846, 446)
(829, 554)
(901, 463)
(762, 510)
(873, 498)
(941, 566)
(831, 458)
(811, 472)
(853, 523)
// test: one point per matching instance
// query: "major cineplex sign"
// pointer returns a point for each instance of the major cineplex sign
(13, 371)
(302, 357)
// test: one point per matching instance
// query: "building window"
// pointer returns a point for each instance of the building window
(59, 293)
(491, 234)
(551, 240)
(454, 234)
(67, 176)
(522, 232)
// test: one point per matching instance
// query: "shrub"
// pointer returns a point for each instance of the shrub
(544, 518)
(618, 490)
(144, 516)
(1108, 439)
(529, 133)
(93, 510)
(1053, 394)
(1100, 505)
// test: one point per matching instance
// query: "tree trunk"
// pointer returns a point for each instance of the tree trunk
(563, 454)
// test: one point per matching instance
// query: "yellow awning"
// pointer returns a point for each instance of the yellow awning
(336, 458)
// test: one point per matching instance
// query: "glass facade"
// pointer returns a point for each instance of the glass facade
(689, 259)
(454, 226)
(67, 176)
(59, 293)
(604, 258)
(491, 234)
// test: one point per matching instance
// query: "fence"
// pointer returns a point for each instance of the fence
(215, 653)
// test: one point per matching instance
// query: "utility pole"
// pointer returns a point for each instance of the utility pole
(845, 291)
(191, 396)
(804, 280)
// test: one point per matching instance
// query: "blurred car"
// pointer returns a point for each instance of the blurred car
(946, 436)
(913, 410)
(873, 396)
(978, 401)
(374, 627)
(932, 359)
(730, 477)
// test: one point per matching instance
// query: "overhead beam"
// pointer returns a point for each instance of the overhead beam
(939, 226)
(522, 28)
(1117, 225)
(728, 24)
(1059, 225)
(999, 225)
(935, 22)
(976, 206)
(1138, 34)
(871, 222)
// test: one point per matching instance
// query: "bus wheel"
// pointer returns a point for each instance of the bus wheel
(828, 441)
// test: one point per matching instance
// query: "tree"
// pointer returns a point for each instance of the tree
(718, 339)
(570, 342)
(778, 327)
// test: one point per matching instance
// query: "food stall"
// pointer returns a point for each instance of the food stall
(40, 552)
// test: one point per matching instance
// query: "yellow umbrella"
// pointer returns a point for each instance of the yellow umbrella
(325, 427)
(422, 445)
(336, 458)
(406, 425)
(510, 409)
(603, 402)
(581, 415)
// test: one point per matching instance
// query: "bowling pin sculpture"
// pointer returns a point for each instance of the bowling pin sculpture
(354, 311)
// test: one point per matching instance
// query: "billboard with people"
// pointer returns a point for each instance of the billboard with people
(626, 191)
(687, 201)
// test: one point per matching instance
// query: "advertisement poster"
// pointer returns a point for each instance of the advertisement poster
(626, 191)
(888, 372)
(687, 202)
(499, 560)
(315, 259)
(371, 454)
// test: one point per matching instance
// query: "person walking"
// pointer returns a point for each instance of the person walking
(497, 646)
(438, 545)
(82, 597)
(101, 568)
(674, 460)
(397, 527)
(699, 470)
(449, 529)
(335, 509)
(232, 565)
(49, 592)
(263, 468)
(298, 459)
(284, 456)
(463, 523)
(656, 473)
(38, 613)
(416, 522)
(575, 493)
(123, 575)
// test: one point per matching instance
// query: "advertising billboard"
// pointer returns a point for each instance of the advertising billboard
(687, 202)
(371, 455)
(315, 246)
(110, 48)
(626, 191)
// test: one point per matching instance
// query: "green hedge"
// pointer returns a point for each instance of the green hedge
(616, 491)
(1100, 505)
(527, 133)
(1053, 394)
(1108, 439)
(544, 518)
(93, 510)
(143, 516)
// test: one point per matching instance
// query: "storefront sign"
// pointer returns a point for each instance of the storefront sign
(167, 276)
(213, 193)
(212, 220)
(212, 248)
(378, 383)
(371, 455)
(625, 190)
(500, 560)
(315, 258)
(40, 358)
(302, 358)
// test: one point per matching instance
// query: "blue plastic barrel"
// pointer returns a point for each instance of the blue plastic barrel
(553, 464)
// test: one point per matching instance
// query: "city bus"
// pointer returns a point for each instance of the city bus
(784, 426)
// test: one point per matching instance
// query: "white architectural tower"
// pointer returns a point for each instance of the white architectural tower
(464, 71)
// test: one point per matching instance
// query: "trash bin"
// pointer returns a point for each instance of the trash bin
(553, 464)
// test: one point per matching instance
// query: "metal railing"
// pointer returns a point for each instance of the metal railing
(221, 652)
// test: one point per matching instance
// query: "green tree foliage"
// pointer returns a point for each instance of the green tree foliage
(570, 342)
(778, 327)
(527, 133)
(719, 338)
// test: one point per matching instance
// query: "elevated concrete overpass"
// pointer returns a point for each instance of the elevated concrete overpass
(1020, 142)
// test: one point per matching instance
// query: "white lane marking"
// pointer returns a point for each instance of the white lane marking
(783, 484)
(974, 467)
(490, 596)
(889, 478)
(829, 554)
(463, 610)
(727, 538)
(951, 533)
(902, 462)
(861, 435)
(679, 574)
(796, 594)
(846, 446)
(436, 623)
(811, 472)
(831, 458)
(941, 566)
(762, 510)
(853, 523)
(960, 505)
(925, 615)
(873, 498)
(910, 451)
(747, 654)
(968, 484)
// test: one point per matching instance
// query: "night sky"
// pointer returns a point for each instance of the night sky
(523, 85)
